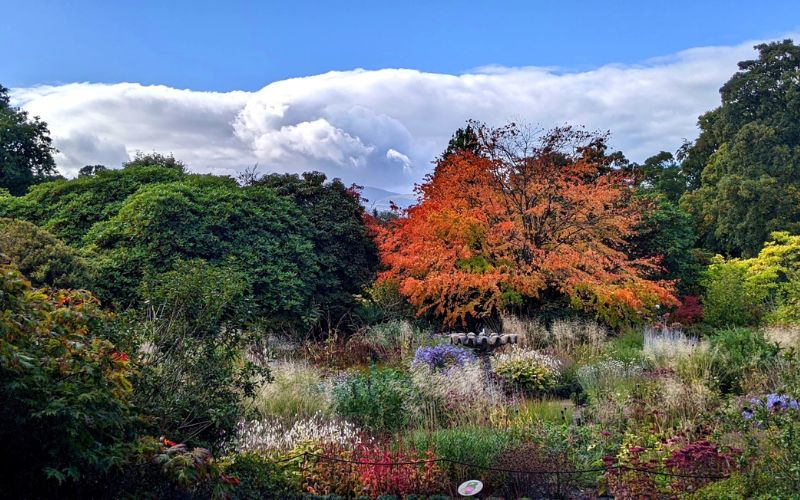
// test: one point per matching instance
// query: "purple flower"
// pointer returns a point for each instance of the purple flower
(442, 356)
(773, 403)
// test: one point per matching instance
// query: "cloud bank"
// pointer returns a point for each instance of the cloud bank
(377, 128)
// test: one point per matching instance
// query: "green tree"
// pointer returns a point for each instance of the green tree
(155, 159)
(346, 252)
(742, 292)
(746, 161)
(192, 378)
(666, 230)
(91, 170)
(26, 151)
(463, 140)
(661, 173)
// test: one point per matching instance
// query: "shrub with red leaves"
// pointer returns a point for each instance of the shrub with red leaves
(704, 461)
(408, 475)
(373, 471)
(689, 311)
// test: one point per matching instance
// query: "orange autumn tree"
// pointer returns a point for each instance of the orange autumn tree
(529, 217)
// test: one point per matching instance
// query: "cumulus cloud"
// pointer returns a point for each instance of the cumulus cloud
(379, 128)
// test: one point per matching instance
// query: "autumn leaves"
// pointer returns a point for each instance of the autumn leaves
(524, 218)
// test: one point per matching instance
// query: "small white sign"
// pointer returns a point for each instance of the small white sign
(469, 488)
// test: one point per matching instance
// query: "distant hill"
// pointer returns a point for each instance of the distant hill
(380, 199)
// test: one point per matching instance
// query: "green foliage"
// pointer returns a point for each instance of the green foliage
(741, 292)
(253, 231)
(41, 257)
(64, 389)
(26, 153)
(374, 399)
(472, 445)
(346, 253)
(464, 140)
(730, 299)
(193, 378)
(662, 175)
(259, 477)
(666, 230)
(69, 208)
(382, 302)
(527, 370)
(305, 251)
(746, 162)
(731, 488)
(153, 160)
(737, 353)
(199, 295)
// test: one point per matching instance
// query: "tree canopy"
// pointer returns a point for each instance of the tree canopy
(746, 162)
(26, 151)
(533, 217)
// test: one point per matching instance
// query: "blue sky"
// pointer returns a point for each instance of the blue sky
(228, 85)
(245, 45)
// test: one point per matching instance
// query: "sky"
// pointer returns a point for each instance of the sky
(369, 91)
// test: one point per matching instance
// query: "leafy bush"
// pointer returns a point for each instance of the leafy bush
(688, 312)
(374, 399)
(193, 378)
(344, 248)
(743, 292)
(257, 476)
(528, 370)
(69, 208)
(737, 353)
(41, 257)
(732, 487)
(730, 300)
(694, 464)
(64, 389)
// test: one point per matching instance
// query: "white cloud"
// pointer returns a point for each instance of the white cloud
(379, 128)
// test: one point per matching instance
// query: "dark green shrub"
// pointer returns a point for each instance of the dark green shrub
(374, 399)
(738, 352)
(259, 477)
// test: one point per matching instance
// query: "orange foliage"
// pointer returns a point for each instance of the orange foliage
(526, 217)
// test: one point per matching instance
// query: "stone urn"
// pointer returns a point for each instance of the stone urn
(483, 343)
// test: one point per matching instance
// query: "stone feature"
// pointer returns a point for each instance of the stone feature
(482, 340)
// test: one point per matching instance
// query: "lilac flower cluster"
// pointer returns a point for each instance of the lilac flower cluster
(773, 402)
(442, 356)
